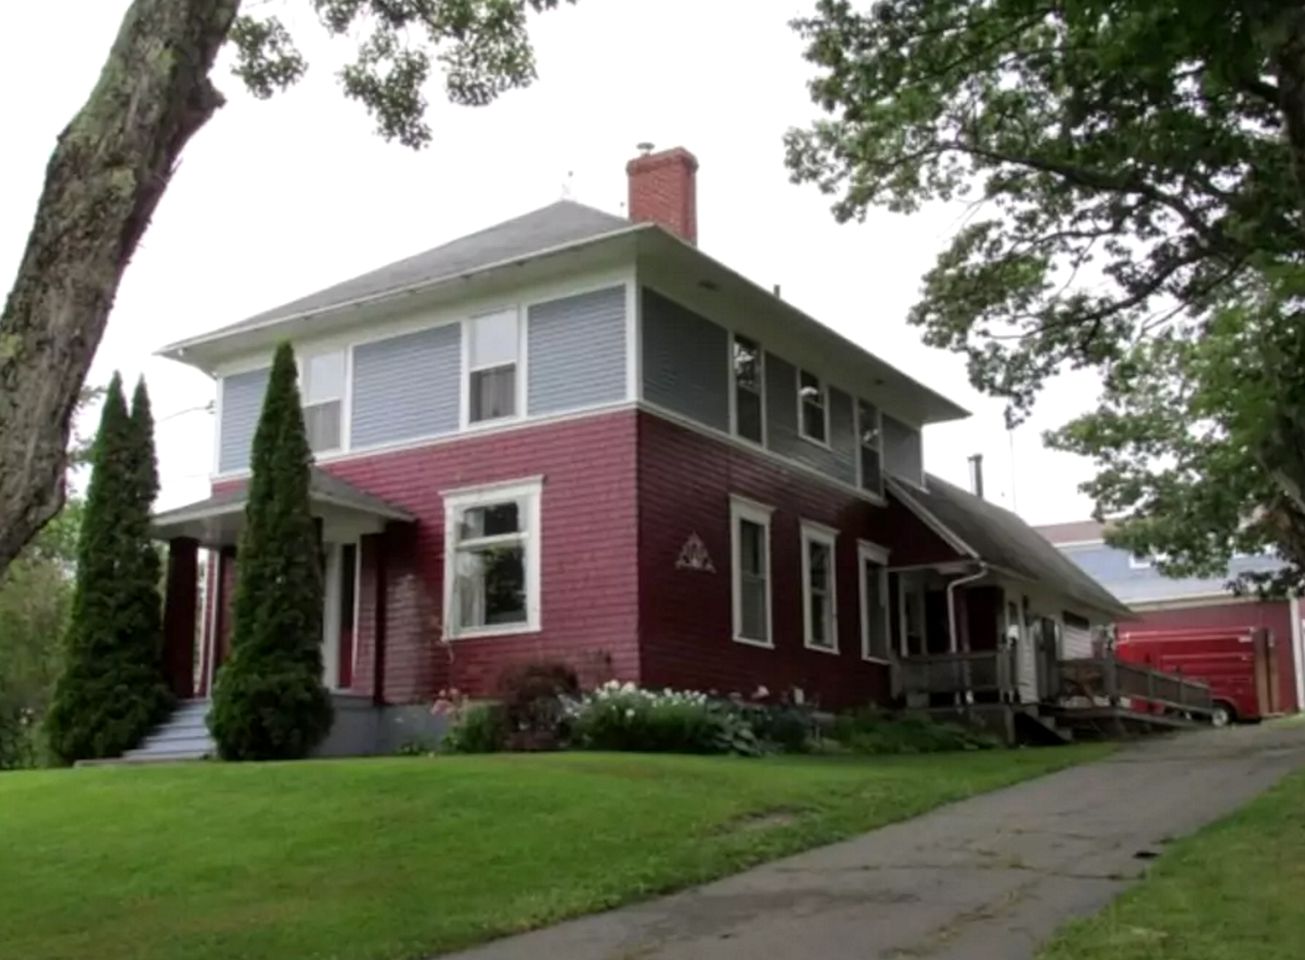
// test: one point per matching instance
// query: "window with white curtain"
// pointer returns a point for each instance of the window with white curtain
(323, 399)
(813, 408)
(749, 397)
(492, 559)
(493, 349)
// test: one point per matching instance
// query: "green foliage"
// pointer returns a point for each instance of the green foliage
(36, 594)
(268, 699)
(1136, 177)
(786, 727)
(533, 697)
(111, 687)
(480, 728)
(482, 46)
(620, 716)
(873, 732)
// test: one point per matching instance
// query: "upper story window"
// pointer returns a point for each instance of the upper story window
(323, 399)
(493, 348)
(813, 408)
(749, 389)
(869, 447)
(492, 568)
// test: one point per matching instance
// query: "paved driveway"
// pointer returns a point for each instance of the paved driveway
(985, 879)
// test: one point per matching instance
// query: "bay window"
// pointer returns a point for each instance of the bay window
(819, 603)
(492, 555)
(493, 348)
(323, 399)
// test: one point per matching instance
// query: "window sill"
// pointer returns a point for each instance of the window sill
(833, 651)
(485, 633)
(760, 644)
(822, 444)
(882, 661)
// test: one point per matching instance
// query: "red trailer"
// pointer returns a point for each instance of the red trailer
(1237, 662)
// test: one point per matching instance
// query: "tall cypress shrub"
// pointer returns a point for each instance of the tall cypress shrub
(111, 689)
(269, 701)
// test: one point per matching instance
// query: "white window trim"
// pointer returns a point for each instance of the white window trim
(465, 423)
(741, 508)
(463, 498)
(879, 427)
(873, 553)
(344, 397)
(813, 532)
(734, 389)
(824, 395)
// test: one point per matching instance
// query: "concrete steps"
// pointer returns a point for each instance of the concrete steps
(183, 736)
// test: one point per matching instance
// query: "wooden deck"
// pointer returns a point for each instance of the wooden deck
(1094, 697)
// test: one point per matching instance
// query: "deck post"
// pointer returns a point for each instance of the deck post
(179, 609)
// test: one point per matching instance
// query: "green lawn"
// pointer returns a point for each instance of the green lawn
(1233, 891)
(396, 858)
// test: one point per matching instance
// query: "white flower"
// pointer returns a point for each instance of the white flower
(761, 692)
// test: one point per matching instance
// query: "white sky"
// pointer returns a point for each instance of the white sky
(277, 199)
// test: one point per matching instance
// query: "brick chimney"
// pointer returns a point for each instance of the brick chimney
(663, 189)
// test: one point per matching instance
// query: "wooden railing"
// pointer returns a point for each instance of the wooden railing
(984, 671)
(1146, 690)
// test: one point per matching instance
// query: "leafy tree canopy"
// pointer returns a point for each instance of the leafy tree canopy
(482, 46)
(1135, 171)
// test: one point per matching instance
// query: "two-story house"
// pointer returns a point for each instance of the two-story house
(577, 436)
(1191, 603)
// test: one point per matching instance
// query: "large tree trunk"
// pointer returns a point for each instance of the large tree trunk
(108, 170)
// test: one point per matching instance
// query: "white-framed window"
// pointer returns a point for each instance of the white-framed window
(323, 375)
(750, 571)
(819, 602)
(491, 560)
(493, 352)
(746, 367)
(813, 408)
(870, 442)
(872, 570)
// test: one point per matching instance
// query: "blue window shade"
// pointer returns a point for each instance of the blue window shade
(242, 403)
(406, 387)
(576, 351)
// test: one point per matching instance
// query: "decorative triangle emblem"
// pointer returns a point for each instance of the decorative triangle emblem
(694, 556)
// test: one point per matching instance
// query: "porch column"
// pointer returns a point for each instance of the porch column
(179, 616)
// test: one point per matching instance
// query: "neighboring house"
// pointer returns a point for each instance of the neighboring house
(575, 436)
(1165, 603)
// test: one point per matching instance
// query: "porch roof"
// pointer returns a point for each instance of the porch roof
(981, 530)
(217, 520)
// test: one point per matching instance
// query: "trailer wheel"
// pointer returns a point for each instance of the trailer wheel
(1221, 715)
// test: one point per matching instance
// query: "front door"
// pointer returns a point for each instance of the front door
(339, 616)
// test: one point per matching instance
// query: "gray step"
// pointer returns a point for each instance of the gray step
(167, 756)
(201, 742)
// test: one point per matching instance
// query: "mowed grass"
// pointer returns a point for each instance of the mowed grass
(1233, 891)
(398, 858)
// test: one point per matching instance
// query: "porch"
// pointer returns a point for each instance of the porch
(203, 556)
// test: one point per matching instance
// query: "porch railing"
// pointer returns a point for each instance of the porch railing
(979, 671)
(1129, 684)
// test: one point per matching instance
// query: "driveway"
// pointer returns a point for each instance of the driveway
(985, 879)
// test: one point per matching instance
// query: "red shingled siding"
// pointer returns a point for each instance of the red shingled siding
(685, 483)
(589, 594)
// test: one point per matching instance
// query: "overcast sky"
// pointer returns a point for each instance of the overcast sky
(277, 199)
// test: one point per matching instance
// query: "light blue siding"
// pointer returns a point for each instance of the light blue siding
(242, 402)
(407, 387)
(1113, 569)
(576, 351)
(839, 459)
(685, 363)
(903, 451)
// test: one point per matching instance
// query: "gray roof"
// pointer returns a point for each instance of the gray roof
(556, 225)
(998, 537)
(322, 487)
